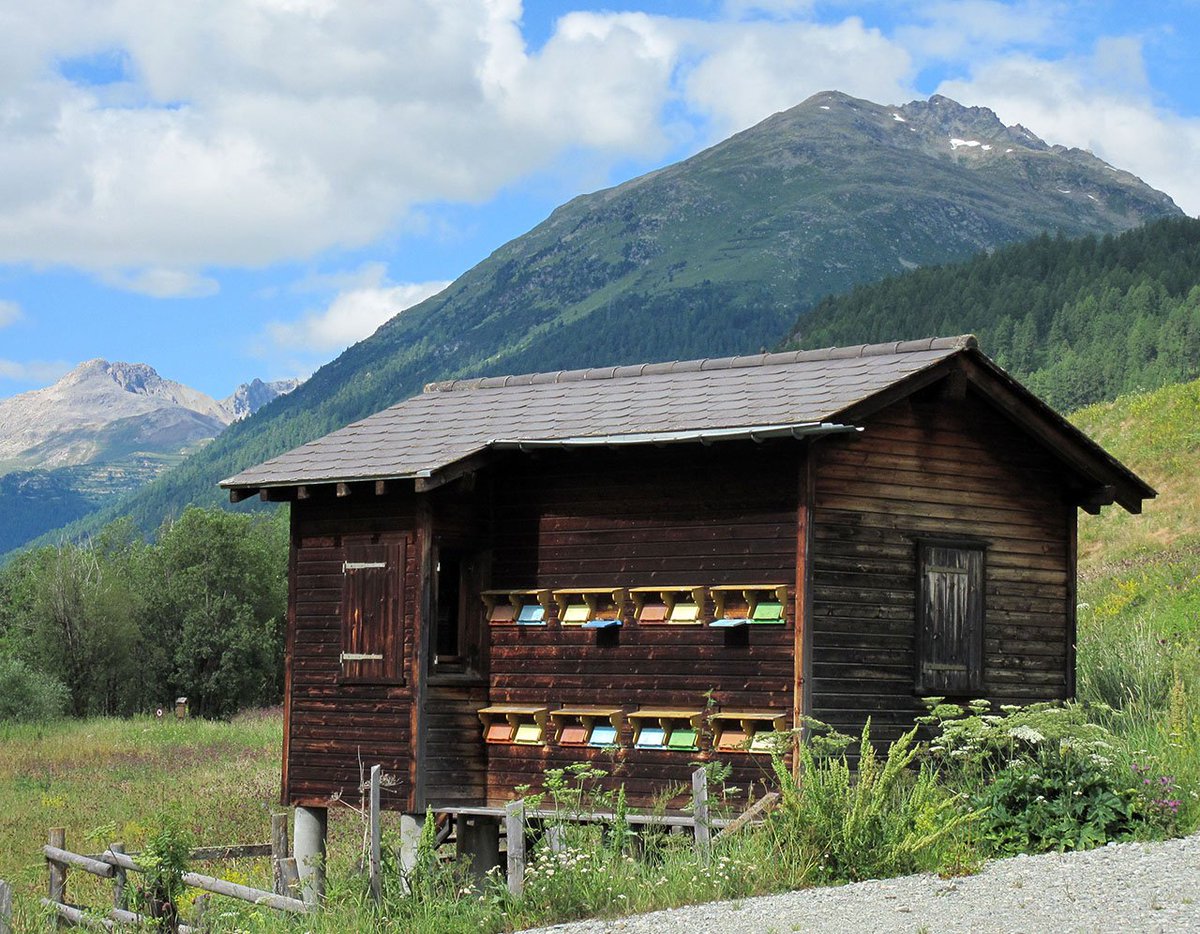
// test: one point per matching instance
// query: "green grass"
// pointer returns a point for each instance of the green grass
(1139, 616)
(1157, 434)
(105, 780)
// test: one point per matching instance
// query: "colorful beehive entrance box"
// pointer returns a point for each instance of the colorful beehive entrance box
(654, 565)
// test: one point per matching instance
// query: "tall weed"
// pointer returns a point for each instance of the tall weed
(883, 820)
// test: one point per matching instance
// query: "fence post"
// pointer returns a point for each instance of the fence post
(700, 813)
(120, 878)
(58, 873)
(556, 838)
(514, 829)
(279, 851)
(376, 881)
(5, 907)
(200, 910)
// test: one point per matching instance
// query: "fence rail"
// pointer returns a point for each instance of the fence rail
(115, 864)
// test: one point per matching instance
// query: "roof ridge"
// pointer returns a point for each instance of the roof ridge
(961, 342)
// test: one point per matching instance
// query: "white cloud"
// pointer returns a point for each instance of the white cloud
(957, 30)
(253, 131)
(748, 71)
(10, 313)
(162, 283)
(1099, 103)
(354, 313)
(33, 371)
(777, 8)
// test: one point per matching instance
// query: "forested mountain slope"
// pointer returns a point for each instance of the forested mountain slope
(1077, 320)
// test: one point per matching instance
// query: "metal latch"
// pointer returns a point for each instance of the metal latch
(360, 657)
(361, 565)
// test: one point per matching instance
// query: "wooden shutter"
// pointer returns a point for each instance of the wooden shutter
(950, 618)
(373, 612)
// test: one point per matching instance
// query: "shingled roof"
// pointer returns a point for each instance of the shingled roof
(793, 393)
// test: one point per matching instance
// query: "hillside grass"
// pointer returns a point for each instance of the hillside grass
(1157, 434)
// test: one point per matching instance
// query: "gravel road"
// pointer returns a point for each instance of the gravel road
(1121, 887)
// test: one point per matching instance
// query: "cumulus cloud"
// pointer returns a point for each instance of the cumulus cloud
(162, 283)
(33, 371)
(748, 71)
(1098, 102)
(355, 313)
(956, 30)
(246, 132)
(10, 313)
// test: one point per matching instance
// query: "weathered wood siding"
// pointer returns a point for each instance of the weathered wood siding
(332, 724)
(675, 515)
(940, 468)
(453, 760)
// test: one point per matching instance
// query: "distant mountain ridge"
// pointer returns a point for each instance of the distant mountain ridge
(102, 430)
(714, 255)
(101, 411)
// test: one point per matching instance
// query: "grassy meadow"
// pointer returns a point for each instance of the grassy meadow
(1139, 681)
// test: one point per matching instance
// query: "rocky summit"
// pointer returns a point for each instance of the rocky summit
(103, 429)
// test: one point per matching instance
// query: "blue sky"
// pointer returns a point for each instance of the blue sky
(235, 188)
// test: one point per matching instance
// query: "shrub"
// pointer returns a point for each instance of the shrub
(1060, 798)
(883, 821)
(28, 695)
(971, 745)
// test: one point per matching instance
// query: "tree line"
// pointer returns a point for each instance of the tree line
(1079, 321)
(118, 623)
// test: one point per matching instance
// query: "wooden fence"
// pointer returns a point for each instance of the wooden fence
(705, 828)
(115, 864)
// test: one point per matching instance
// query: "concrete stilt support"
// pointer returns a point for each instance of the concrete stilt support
(308, 842)
(479, 840)
(410, 837)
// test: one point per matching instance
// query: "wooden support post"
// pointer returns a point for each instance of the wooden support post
(700, 813)
(514, 829)
(120, 879)
(411, 826)
(477, 839)
(58, 872)
(5, 907)
(279, 851)
(290, 876)
(376, 880)
(311, 825)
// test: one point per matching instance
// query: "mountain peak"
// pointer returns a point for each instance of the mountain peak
(249, 397)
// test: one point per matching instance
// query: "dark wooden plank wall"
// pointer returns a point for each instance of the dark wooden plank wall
(453, 760)
(674, 515)
(941, 468)
(332, 725)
